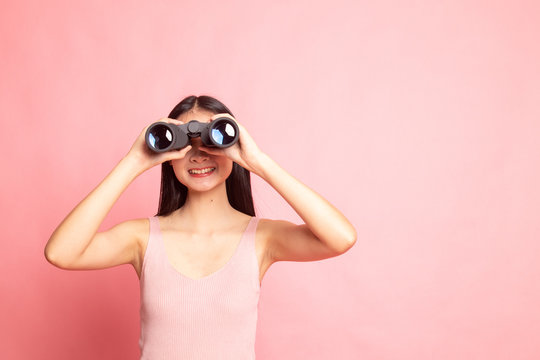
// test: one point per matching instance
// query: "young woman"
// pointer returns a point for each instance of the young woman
(201, 259)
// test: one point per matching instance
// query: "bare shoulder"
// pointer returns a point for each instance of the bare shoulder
(139, 228)
(286, 241)
(139, 231)
(267, 230)
(268, 227)
(134, 228)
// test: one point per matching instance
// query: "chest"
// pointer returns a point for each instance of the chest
(199, 257)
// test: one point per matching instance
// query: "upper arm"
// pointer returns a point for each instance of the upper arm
(290, 242)
(119, 245)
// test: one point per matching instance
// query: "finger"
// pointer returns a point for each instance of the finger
(177, 154)
(241, 127)
(217, 116)
(173, 121)
(212, 151)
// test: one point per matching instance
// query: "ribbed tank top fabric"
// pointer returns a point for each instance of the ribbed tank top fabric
(214, 317)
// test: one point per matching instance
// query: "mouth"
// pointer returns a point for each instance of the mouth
(201, 172)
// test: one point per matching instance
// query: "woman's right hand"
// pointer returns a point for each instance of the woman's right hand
(146, 158)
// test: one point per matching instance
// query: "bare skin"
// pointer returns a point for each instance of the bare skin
(195, 246)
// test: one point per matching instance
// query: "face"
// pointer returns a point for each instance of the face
(198, 170)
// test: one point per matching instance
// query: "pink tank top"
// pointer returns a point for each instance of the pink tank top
(214, 317)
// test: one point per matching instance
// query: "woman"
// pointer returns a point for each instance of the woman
(202, 258)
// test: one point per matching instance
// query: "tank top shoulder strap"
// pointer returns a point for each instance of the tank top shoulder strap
(152, 247)
(252, 227)
(247, 254)
(248, 237)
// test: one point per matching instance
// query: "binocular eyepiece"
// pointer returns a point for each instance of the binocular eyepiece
(161, 136)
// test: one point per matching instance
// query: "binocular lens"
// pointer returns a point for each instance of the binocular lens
(160, 137)
(223, 133)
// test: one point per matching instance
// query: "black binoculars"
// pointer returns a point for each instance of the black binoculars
(161, 136)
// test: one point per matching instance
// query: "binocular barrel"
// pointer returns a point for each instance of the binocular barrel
(161, 136)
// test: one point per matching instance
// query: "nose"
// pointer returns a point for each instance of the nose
(197, 155)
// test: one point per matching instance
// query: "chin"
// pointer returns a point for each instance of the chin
(202, 186)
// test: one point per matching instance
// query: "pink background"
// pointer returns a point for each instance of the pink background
(418, 119)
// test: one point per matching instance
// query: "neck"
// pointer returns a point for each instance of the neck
(204, 210)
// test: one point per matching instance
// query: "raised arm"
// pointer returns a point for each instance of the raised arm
(76, 244)
(326, 231)
(323, 222)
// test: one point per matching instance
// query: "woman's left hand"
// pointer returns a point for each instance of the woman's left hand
(245, 152)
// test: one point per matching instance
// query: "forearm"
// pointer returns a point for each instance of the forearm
(76, 231)
(326, 222)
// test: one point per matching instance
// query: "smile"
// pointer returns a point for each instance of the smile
(201, 171)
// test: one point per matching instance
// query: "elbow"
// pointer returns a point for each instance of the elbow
(352, 239)
(348, 241)
(49, 256)
(52, 258)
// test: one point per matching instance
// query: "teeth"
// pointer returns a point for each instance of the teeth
(203, 171)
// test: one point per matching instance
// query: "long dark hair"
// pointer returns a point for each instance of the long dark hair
(173, 193)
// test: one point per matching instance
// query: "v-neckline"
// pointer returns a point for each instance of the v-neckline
(221, 269)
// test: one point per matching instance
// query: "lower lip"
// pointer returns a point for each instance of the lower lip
(202, 175)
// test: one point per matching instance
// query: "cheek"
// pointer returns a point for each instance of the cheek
(227, 168)
(177, 166)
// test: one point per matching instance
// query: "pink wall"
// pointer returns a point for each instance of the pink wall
(419, 120)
